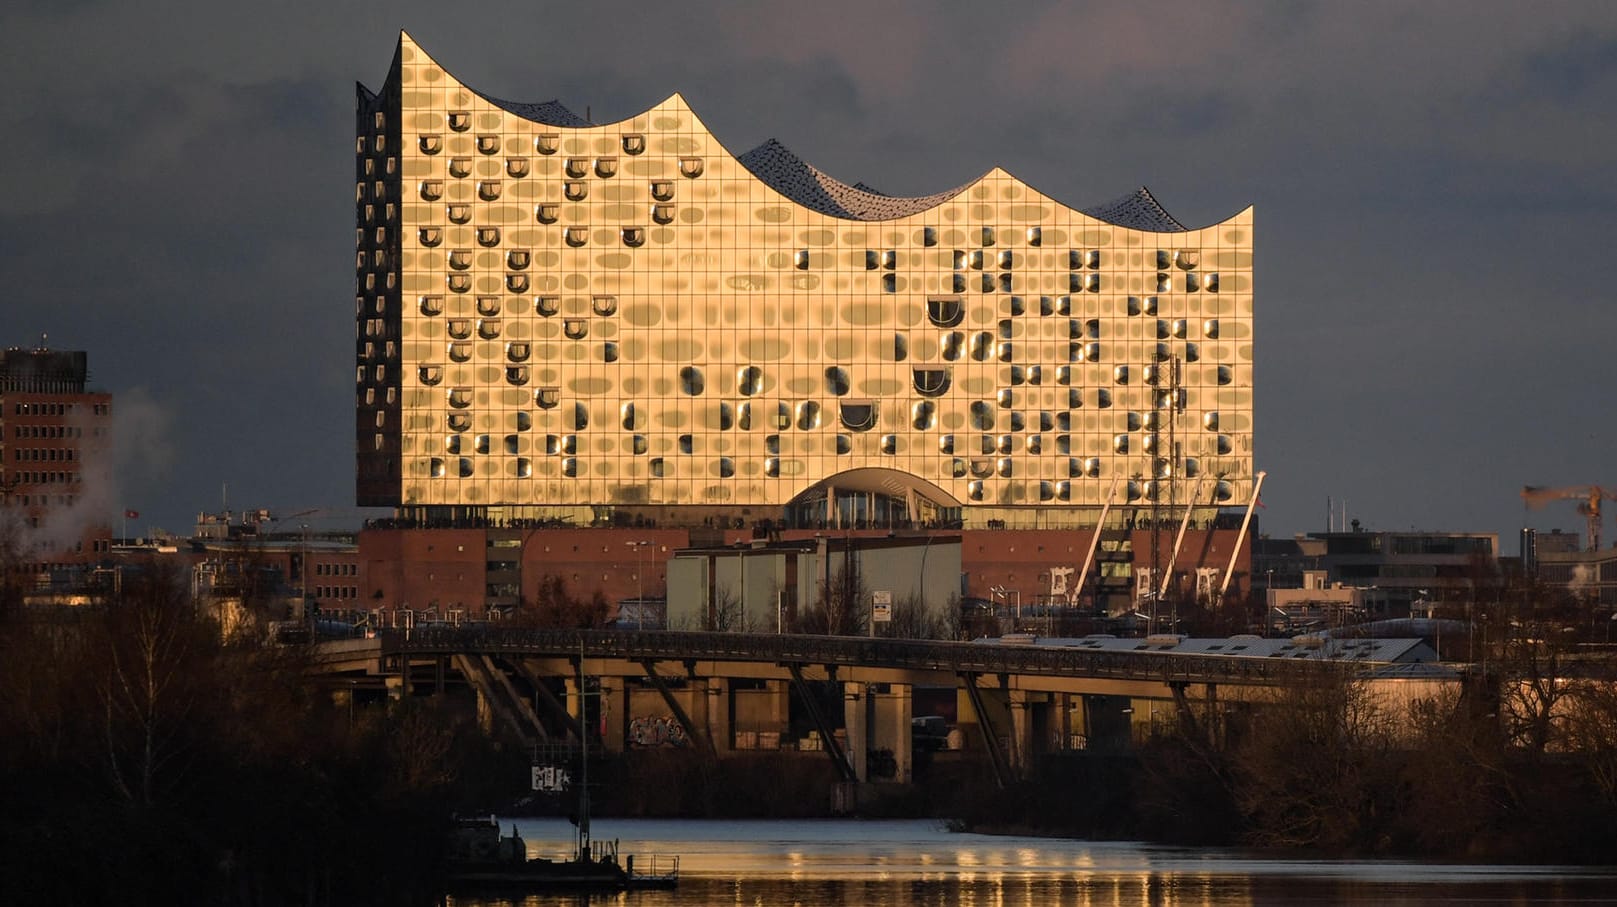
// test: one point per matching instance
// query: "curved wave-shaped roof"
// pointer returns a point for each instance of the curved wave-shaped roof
(802, 182)
(1138, 210)
(550, 113)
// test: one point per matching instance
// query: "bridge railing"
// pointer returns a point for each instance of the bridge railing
(952, 657)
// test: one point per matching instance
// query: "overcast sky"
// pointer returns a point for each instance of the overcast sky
(1435, 192)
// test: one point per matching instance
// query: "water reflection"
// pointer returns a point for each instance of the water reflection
(918, 864)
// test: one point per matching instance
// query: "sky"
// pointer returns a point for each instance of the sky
(1434, 185)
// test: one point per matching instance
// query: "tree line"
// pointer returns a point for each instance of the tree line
(147, 758)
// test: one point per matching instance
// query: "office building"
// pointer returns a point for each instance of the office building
(54, 432)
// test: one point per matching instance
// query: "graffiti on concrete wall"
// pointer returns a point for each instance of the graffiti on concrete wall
(662, 730)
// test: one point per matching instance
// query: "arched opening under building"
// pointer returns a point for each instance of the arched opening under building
(873, 499)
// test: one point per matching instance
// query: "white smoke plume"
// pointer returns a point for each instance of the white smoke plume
(133, 451)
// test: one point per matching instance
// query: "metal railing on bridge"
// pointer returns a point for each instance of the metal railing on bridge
(925, 655)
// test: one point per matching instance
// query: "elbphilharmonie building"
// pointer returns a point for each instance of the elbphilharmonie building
(576, 320)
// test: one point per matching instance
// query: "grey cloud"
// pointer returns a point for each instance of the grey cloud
(1433, 186)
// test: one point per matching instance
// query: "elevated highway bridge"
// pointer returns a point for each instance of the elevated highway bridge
(723, 692)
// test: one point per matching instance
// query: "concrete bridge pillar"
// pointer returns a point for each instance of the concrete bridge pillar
(715, 706)
(891, 729)
(1021, 731)
(573, 696)
(856, 720)
(614, 714)
(780, 706)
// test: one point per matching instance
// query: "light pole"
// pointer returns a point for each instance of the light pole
(303, 573)
(1001, 593)
(639, 582)
(924, 549)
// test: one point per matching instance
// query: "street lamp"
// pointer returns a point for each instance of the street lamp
(639, 583)
(1002, 593)
(303, 573)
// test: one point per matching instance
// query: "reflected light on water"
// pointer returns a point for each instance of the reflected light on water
(917, 864)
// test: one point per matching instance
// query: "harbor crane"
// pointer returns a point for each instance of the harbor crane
(1587, 496)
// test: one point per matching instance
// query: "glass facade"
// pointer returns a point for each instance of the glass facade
(558, 313)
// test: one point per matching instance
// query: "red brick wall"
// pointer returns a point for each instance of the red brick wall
(600, 559)
(1022, 559)
(423, 568)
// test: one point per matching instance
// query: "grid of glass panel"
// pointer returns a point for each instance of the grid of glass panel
(624, 314)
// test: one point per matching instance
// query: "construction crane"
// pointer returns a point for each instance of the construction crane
(1587, 496)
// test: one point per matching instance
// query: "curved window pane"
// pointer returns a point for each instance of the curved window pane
(858, 416)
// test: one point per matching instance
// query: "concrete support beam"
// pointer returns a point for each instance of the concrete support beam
(715, 693)
(856, 721)
(1004, 774)
(780, 705)
(614, 714)
(574, 700)
(1021, 754)
(547, 700)
(890, 729)
(838, 756)
(697, 734)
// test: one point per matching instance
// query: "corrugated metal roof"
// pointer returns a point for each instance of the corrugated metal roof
(1359, 651)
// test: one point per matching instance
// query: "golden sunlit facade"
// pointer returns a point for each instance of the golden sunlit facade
(557, 317)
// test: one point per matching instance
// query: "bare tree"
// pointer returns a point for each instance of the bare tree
(155, 648)
(554, 606)
(1313, 768)
(841, 609)
(1592, 731)
(1533, 688)
(912, 620)
(725, 613)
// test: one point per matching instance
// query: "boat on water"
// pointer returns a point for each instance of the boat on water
(481, 857)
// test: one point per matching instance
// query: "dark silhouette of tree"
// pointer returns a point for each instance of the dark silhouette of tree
(912, 620)
(1313, 768)
(554, 606)
(164, 765)
(725, 613)
(841, 608)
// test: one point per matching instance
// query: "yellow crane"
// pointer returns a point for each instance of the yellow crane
(1587, 496)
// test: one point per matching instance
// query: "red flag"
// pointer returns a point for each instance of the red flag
(131, 514)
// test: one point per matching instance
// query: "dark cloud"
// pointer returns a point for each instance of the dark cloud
(1433, 187)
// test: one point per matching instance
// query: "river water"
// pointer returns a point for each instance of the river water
(910, 863)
